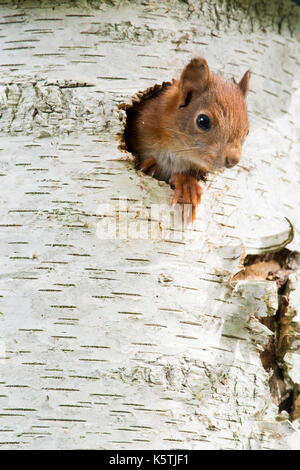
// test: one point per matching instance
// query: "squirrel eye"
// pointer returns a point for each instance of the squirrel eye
(203, 122)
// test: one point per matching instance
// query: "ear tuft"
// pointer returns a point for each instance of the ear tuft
(244, 83)
(194, 78)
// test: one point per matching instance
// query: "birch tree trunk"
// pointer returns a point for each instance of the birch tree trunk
(112, 338)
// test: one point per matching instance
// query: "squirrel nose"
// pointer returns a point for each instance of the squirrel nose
(231, 160)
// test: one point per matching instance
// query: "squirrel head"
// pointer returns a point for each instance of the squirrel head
(206, 117)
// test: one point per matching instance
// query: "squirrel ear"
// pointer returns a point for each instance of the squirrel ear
(195, 77)
(244, 83)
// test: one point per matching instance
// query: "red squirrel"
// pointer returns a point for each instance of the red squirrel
(184, 129)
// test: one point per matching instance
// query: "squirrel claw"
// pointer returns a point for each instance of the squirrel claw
(187, 191)
(148, 166)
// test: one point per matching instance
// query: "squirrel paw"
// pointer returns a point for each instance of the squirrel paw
(186, 191)
(148, 166)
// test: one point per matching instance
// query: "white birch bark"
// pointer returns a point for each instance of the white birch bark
(139, 343)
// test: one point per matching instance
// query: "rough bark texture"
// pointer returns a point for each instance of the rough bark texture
(133, 343)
